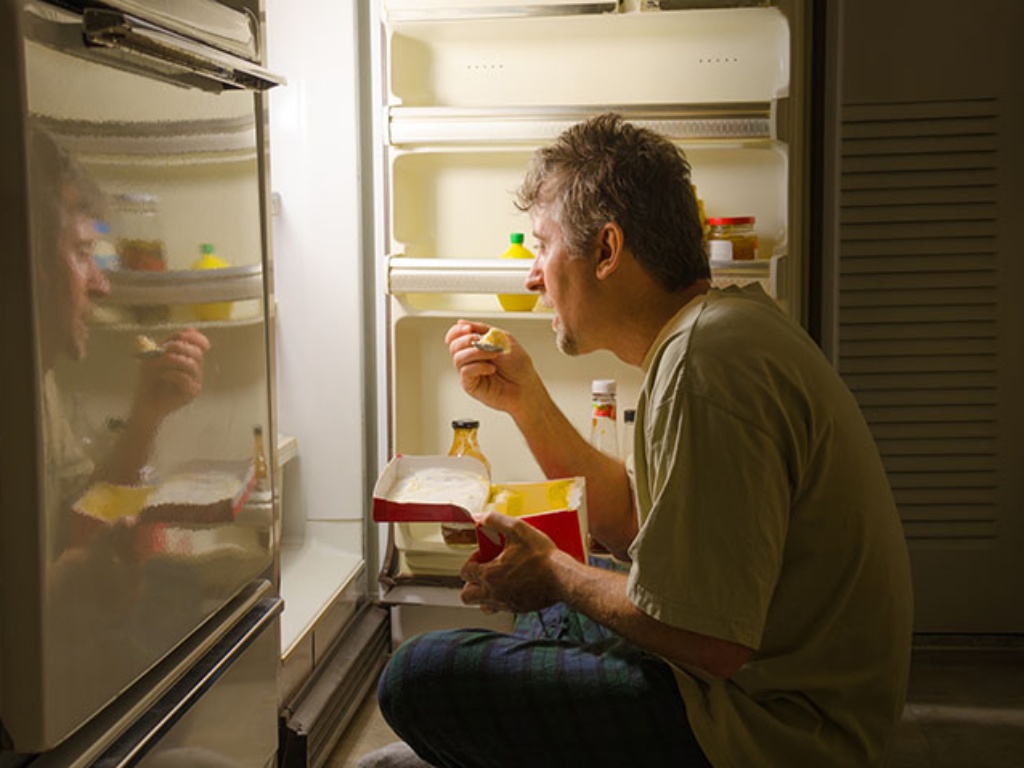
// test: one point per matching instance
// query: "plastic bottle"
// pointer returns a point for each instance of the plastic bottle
(220, 310)
(604, 437)
(465, 442)
(515, 302)
(628, 423)
(604, 418)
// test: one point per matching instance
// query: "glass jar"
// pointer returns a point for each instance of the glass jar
(732, 238)
(464, 443)
(140, 244)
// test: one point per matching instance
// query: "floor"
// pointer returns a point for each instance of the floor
(965, 709)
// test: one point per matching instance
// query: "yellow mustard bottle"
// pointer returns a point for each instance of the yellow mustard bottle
(516, 302)
(220, 310)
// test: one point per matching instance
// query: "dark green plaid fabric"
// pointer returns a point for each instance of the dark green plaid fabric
(560, 691)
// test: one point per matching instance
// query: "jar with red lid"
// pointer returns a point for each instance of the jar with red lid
(732, 238)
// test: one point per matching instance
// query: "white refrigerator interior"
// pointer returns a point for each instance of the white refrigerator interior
(470, 91)
(121, 169)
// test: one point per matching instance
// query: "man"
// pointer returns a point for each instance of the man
(67, 205)
(766, 617)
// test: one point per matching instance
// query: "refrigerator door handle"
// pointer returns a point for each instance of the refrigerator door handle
(140, 40)
(130, 748)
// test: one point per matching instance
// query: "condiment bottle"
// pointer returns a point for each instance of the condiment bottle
(628, 424)
(604, 417)
(516, 302)
(464, 443)
(732, 238)
(218, 310)
(603, 436)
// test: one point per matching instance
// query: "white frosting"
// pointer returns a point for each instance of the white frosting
(443, 485)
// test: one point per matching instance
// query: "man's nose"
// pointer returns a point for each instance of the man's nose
(535, 279)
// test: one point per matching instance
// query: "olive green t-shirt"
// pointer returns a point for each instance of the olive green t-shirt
(767, 519)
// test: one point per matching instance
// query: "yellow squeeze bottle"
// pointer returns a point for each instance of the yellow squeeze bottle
(514, 302)
(220, 310)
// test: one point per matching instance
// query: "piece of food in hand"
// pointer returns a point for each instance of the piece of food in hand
(146, 347)
(495, 340)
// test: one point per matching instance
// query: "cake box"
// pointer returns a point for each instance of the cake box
(455, 489)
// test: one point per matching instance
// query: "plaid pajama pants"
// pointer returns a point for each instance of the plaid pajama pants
(561, 690)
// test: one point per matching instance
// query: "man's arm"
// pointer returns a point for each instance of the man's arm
(531, 573)
(166, 383)
(510, 383)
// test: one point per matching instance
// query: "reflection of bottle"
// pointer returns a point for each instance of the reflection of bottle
(220, 310)
(514, 302)
(464, 443)
(140, 244)
(259, 461)
(104, 251)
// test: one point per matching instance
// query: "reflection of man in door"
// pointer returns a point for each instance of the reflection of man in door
(66, 205)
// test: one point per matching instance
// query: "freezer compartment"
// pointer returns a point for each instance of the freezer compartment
(691, 57)
(174, 715)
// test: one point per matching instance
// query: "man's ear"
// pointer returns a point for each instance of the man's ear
(609, 245)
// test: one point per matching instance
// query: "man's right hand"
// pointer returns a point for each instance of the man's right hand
(503, 381)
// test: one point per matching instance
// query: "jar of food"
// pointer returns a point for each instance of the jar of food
(464, 443)
(140, 245)
(732, 238)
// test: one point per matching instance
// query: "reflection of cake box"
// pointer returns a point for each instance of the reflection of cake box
(419, 492)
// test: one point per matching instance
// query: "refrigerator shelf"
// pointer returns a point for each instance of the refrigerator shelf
(185, 286)
(413, 275)
(460, 276)
(427, 10)
(733, 123)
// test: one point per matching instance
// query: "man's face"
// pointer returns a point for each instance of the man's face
(78, 282)
(562, 281)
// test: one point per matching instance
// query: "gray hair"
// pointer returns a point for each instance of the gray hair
(608, 170)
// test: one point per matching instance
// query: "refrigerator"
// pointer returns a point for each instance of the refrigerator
(467, 92)
(140, 530)
(395, 150)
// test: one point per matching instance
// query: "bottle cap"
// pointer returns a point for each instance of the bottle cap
(465, 424)
(516, 238)
(206, 249)
(729, 221)
(603, 387)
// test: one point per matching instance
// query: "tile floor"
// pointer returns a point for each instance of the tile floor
(965, 709)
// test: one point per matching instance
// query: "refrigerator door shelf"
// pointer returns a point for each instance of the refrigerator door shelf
(424, 10)
(696, 57)
(487, 276)
(735, 123)
(410, 275)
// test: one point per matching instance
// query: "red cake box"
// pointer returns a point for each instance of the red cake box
(455, 489)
